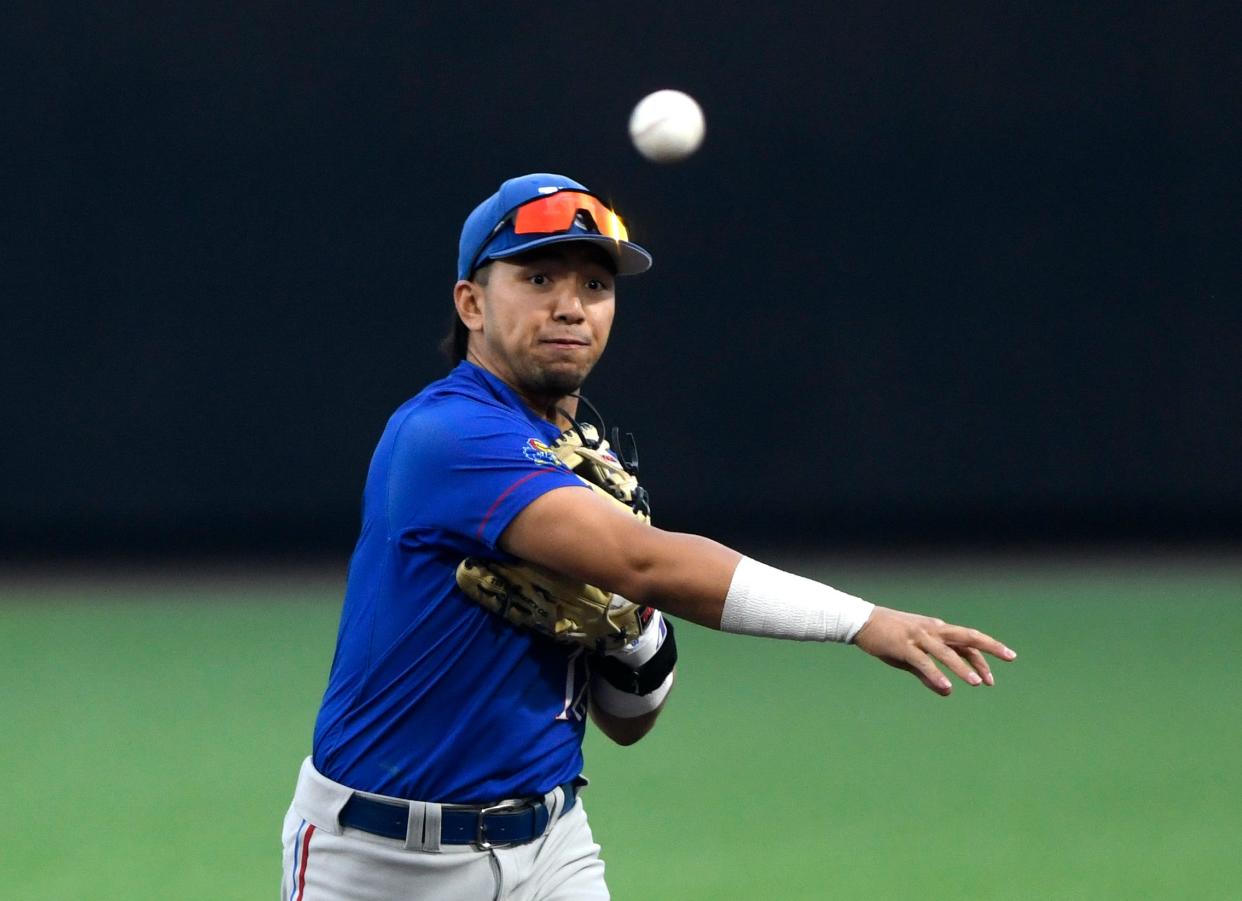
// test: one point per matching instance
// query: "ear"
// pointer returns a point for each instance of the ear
(468, 297)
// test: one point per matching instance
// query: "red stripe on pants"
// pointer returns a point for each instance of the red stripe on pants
(310, 830)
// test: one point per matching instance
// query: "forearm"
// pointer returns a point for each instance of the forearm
(703, 581)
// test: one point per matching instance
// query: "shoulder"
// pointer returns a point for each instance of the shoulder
(454, 414)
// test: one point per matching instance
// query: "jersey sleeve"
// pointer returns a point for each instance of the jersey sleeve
(468, 474)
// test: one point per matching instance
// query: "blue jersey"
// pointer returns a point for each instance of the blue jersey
(432, 697)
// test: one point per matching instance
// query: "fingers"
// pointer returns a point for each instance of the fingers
(980, 663)
(963, 637)
(969, 665)
(961, 650)
(953, 660)
(928, 673)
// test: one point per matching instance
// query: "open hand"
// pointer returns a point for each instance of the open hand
(914, 643)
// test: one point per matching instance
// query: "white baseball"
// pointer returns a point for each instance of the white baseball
(667, 126)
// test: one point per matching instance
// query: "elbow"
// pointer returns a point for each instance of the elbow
(627, 739)
(638, 576)
(637, 587)
(623, 731)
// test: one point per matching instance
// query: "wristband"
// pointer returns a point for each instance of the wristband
(767, 601)
(621, 673)
(622, 703)
(628, 692)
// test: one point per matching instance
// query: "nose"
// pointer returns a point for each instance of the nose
(568, 305)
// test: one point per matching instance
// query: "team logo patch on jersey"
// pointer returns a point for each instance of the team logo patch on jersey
(538, 452)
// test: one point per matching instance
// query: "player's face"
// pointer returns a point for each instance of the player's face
(545, 318)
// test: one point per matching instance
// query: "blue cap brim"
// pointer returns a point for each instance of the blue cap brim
(630, 259)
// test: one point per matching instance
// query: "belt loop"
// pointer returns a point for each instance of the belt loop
(554, 801)
(422, 831)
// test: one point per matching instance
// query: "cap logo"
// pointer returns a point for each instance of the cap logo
(548, 189)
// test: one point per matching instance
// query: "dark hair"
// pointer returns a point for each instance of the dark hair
(453, 344)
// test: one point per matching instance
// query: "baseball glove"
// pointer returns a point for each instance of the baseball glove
(561, 608)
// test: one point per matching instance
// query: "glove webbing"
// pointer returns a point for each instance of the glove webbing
(585, 454)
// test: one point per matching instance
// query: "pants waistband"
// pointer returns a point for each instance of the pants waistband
(427, 826)
(511, 823)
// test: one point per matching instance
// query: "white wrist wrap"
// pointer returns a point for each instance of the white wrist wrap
(625, 705)
(764, 600)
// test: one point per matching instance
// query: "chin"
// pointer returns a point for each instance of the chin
(559, 380)
(563, 383)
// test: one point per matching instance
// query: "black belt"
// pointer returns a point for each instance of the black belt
(508, 823)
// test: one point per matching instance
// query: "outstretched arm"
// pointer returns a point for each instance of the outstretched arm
(573, 532)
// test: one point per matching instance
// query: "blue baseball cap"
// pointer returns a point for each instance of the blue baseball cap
(488, 232)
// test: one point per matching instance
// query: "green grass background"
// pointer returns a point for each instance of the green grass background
(153, 727)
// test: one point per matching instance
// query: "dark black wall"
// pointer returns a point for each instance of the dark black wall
(966, 270)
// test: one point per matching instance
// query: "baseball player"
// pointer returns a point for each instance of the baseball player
(508, 584)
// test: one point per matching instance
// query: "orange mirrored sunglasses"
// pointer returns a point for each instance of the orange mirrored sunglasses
(556, 213)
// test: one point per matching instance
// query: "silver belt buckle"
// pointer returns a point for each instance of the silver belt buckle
(480, 831)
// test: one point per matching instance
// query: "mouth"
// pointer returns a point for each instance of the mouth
(565, 342)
